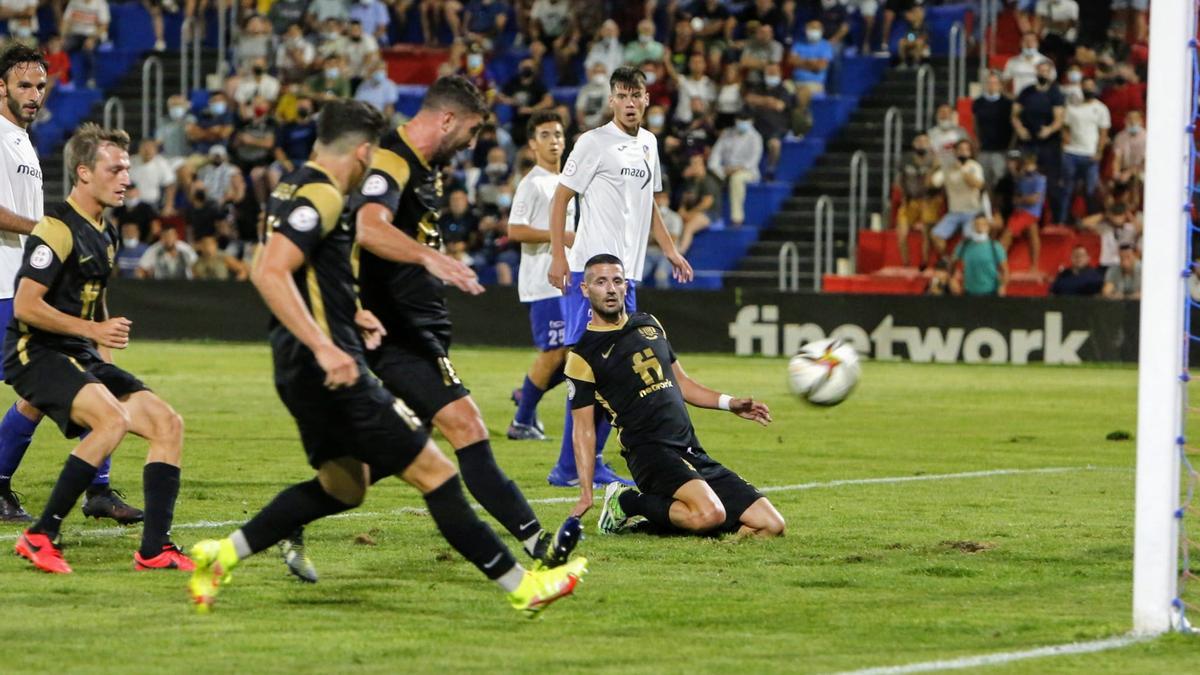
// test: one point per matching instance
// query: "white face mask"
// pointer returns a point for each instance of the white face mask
(651, 78)
(743, 126)
(599, 79)
(813, 35)
(644, 38)
(945, 125)
(976, 236)
(130, 242)
(1029, 51)
(1134, 128)
(1075, 76)
(773, 80)
(656, 120)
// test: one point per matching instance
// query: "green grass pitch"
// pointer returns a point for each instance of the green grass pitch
(869, 574)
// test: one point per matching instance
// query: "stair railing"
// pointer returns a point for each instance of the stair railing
(823, 214)
(152, 66)
(114, 108)
(926, 79)
(789, 268)
(893, 137)
(859, 176)
(189, 64)
(958, 63)
(222, 36)
(987, 35)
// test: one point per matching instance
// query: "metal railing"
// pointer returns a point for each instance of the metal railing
(789, 268)
(823, 214)
(114, 107)
(189, 65)
(152, 65)
(859, 176)
(893, 138)
(958, 64)
(223, 11)
(987, 35)
(926, 79)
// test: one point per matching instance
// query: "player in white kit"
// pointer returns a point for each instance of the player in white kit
(22, 92)
(529, 223)
(615, 172)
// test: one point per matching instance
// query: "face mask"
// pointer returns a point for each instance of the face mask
(963, 159)
(332, 73)
(260, 111)
(1089, 95)
(812, 35)
(496, 169)
(130, 242)
(945, 125)
(773, 80)
(177, 113)
(651, 78)
(259, 70)
(920, 151)
(599, 79)
(504, 200)
(1043, 80)
(1029, 51)
(743, 126)
(474, 61)
(1133, 128)
(379, 76)
(131, 202)
(977, 236)
(1075, 76)
(656, 120)
(332, 35)
(218, 108)
(303, 113)
(24, 31)
(992, 97)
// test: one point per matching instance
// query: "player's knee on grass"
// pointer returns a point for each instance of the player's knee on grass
(764, 519)
(429, 470)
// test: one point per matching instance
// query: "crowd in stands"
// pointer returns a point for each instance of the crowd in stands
(1058, 138)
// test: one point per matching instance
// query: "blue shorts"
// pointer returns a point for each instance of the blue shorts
(546, 322)
(577, 312)
(952, 223)
(6, 312)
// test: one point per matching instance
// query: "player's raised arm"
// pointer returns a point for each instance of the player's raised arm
(702, 397)
(559, 270)
(376, 234)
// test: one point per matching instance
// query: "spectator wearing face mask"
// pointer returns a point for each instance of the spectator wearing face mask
(771, 103)
(945, 135)
(494, 182)
(1087, 124)
(810, 61)
(168, 258)
(294, 55)
(374, 18)
(154, 178)
(591, 104)
(735, 159)
(696, 85)
(1129, 150)
(645, 47)
(606, 49)
(964, 195)
(294, 141)
(993, 125)
(474, 69)
(331, 83)
(379, 91)
(660, 84)
(172, 137)
(361, 53)
(137, 212)
(131, 251)
(921, 203)
(526, 94)
(256, 82)
(22, 20)
(984, 263)
(1081, 278)
(1021, 70)
(1038, 117)
(254, 145)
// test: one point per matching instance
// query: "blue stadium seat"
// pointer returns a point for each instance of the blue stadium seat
(939, 19)
(409, 101)
(131, 28)
(763, 200)
(797, 157)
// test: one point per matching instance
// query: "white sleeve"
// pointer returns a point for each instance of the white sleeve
(582, 165)
(1105, 117)
(103, 15)
(658, 174)
(525, 204)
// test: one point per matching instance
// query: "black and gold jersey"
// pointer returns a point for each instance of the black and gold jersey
(72, 256)
(409, 301)
(627, 370)
(307, 208)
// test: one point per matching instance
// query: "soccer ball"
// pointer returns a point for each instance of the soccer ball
(824, 372)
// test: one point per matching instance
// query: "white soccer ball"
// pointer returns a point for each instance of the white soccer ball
(824, 372)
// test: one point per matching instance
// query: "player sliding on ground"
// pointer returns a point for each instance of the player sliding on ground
(53, 357)
(625, 363)
(352, 429)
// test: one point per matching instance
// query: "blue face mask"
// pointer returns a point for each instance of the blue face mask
(379, 77)
(743, 126)
(504, 200)
(474, 61)
(217, 108)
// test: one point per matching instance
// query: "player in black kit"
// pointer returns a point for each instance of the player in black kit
(352, 429)
(625, 364)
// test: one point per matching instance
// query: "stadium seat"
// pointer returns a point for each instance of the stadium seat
(763, 200)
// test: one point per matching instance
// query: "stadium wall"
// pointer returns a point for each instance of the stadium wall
(743, 322)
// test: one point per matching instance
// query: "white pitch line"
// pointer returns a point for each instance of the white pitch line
(1006, 657)
(205, 524)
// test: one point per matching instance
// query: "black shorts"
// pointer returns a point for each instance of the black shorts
(427, 383)
(362, 421)
(50, 380)
(662, 470)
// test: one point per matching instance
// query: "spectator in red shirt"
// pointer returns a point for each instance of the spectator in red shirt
(1122, 98)
(59, 72)
(660, 86)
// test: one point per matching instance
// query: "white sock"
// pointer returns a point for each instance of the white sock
(240, 545)
(531, 543)
(511, 579)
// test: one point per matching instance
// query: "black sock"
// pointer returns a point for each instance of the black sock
(5, 485)
(295, 507)
(654, 508)
(495, 491)
(469, 535)
(160, 484)
(75, 477)
(93, 490)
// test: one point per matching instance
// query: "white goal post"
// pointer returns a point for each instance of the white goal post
(1161, 386)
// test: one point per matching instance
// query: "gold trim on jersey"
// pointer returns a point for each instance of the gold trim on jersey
(393, 165)
(408, 141)
(57, 236)
(22, 352)
(91, 221)
(313, 165)
(611, 413)
(577, 368)
(605, 329)
(327, 200)
(316, 302)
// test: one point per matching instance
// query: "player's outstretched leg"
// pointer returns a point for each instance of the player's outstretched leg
(151, 418)
(16, 433)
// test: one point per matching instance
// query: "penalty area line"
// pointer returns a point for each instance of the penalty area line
(1000, 658)
(412, 510)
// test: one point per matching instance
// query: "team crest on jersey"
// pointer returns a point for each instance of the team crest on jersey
(649, 332)
(374, 186)
(304, 218)
(570, 390)
(41, 257)
(570, 168)
(520, 209)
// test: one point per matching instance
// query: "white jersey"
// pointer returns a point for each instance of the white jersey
(616, 176)
(531, 207)
(20, 192)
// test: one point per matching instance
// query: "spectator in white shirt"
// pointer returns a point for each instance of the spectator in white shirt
(1087, 124)
(256, 82)
(551, 28)
(1021, 70)
(945, 134)
(695, 85)
(168, 258)
(735, 159)
(22, 20)
(362, 51)
(606, 49)
(255, 42)
(591, 104)
(1129, 149)
(153, 176)
(295, 55)
(964, 184)
(85, 24)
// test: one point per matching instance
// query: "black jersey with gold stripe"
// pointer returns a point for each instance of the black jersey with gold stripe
(72, 255)
(307, 208)
(627, 370)
(409, 301)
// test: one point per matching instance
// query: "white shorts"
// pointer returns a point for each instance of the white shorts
(867, 8)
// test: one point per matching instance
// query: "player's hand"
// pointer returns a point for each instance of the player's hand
(749, 409)
(560, 274)
(681, 269)
(583, 505)
(340, 368)
(453, 272)
(370, 328)
(113, 333)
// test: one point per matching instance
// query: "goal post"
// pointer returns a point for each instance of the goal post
(1162, 336)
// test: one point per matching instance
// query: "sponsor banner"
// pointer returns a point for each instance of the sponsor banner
(745, 323)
